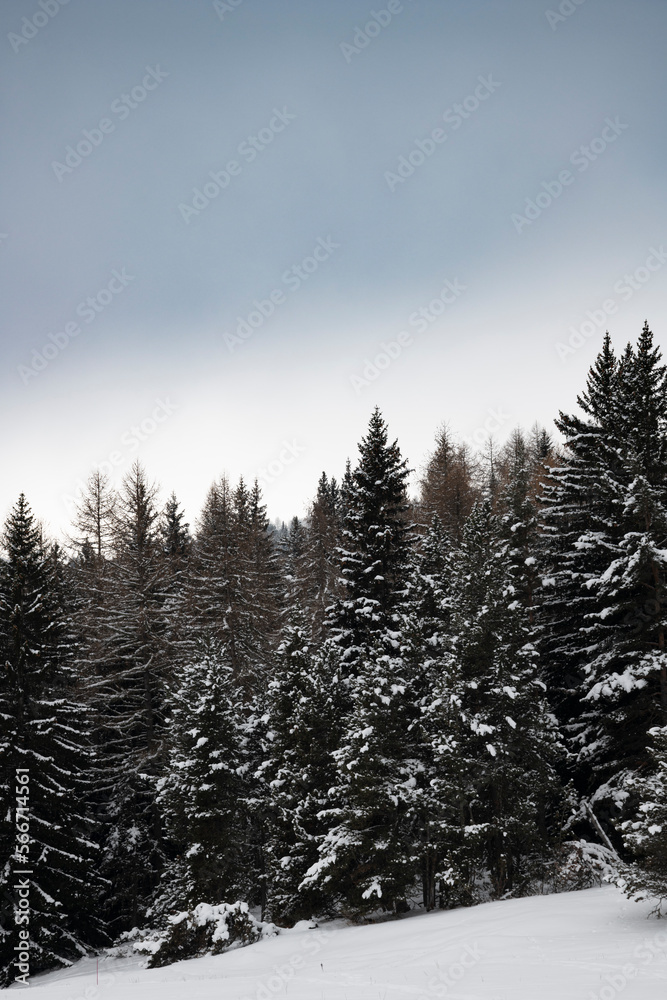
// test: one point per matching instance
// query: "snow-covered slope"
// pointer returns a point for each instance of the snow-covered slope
(565, 947)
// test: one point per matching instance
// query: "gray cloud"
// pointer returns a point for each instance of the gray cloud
(219, 78)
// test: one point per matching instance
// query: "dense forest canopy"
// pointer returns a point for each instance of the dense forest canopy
(391, 703)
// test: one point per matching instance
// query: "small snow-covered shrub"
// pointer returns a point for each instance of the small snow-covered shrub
(206, 930)
(582, 865)
(645, 836)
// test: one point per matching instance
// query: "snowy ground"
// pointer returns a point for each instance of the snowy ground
(592, 944)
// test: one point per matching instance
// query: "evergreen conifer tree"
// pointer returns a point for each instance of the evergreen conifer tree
(296, 565)
(371, 855)
(645, 836)
(376, 544)
(303, 725)
(128, 685)
(324, 536)
(234, 584)
(45, 732)
(605, 611)
(202, 793)
(176, 540)
(519, 517)
(494, 742)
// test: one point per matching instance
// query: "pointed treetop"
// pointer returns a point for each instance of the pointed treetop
(601, 382)
(22, 534)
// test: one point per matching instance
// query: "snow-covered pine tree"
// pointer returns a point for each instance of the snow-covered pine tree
(231, 601)
(429, 589)
(371, 857)
(494, 741)
(580, 519)
(202, 793)
(376, 544)
(128, 686)
(371, 854)
(645, 836)
(629, 681)
(176, 539)
(608, 610)
(425, 638)
(45, 731)
(303, 726)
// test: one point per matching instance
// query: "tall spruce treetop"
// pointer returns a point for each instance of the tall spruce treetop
(597, 400)
(633, 678)
(376, 541)
(324, 524)
(645, 410)
(579, 513)
(518, 516)
(176, 540)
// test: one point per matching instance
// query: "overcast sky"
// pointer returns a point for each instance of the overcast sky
(448, 187)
